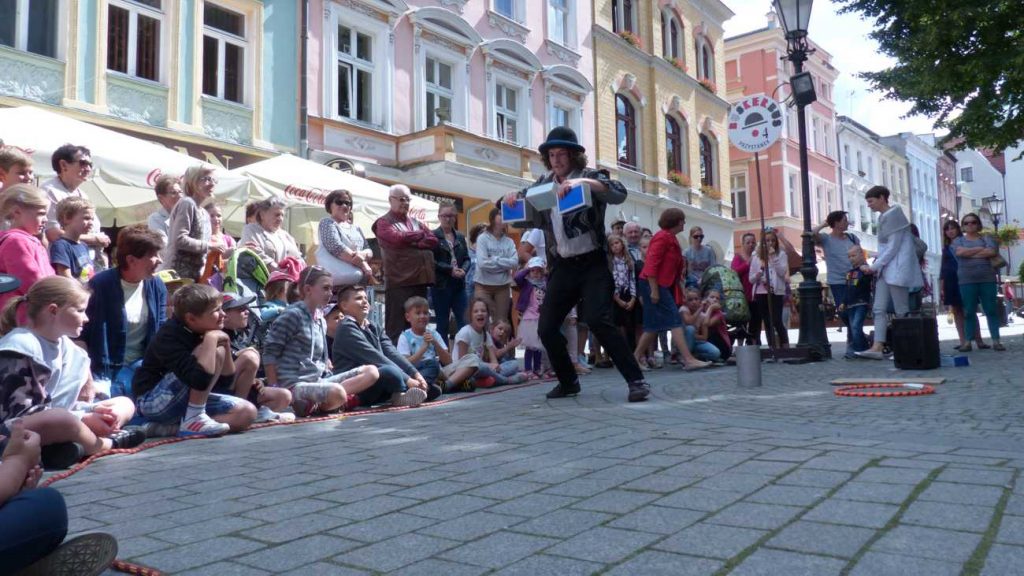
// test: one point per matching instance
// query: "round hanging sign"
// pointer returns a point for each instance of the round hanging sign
(755, 123)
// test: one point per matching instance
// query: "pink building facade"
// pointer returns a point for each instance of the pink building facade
(451, 97)
(754, 65)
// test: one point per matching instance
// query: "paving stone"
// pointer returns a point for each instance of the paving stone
(844, 461)
(325, 569)
(763, 467)
(657, 519)
(138, 546)
(382, 527)
(1003, 561)
(817, 478)
(1015, 505)
(949, 516)
(199, 553)
(962, 494)
(394, 553)
(893, 475)
(434, 490)
(616, 501)
(288, 510)
(754, 515)
(225, 569)
(745, 483)
(471, 526)
(654, 563)
(816, 538)
(663, 483)
(377, 506)
(298, 552)
(791, 495)
(868, 514)
(711, 540)
(700, 499)
(533, 505)
(211, 528)
(1011, 530)
(606, 545)
(498, 550)
(450, 506)
(883, 564)
(563, 523)
(789, 455)
(584, 487)
(875, 492)
(433, 567)
(544, 565)
(928, 543)
(766, 562)
(350, 494)
(990, 477)
(507, 489)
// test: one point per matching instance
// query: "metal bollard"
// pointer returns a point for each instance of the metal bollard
(748, 364)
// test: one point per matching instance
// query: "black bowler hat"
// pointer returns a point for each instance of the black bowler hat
(8, 283)
(561, 137)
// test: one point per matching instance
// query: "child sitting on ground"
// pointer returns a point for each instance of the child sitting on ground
(295, 353)
(695, 329)
(68, 256)
(279, 285)
(474, 338)
(425, 349)
(505, 349)
(858, 301)
(332, 317)
(270, 402)
(190, 355)
(46, 377)
(358, 340)
(718, 331)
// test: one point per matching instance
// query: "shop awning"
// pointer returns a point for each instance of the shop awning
(304, 185)
(126, 168)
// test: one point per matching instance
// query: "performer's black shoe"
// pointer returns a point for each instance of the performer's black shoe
(560, 391)
(639, 391)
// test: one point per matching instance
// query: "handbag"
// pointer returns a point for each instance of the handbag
(342, 273)
(997, 261)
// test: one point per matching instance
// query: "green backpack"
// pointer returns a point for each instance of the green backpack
(245, 264)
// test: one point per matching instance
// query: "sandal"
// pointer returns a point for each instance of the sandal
(964, 348)
(983, 346)
(998, 347)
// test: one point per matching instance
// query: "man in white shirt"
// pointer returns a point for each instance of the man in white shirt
(73, 166)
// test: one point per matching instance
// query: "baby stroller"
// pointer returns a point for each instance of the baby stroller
(726, 282)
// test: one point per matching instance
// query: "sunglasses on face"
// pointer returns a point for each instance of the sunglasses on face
(403, 199)
(698, 236)
(343, 203)
(83, 163)
(971, 222)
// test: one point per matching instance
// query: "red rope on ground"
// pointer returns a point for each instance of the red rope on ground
(864, 390)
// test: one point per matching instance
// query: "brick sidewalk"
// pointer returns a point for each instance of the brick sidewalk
(707, 478)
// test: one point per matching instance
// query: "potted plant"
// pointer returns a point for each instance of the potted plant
(630, 37)
(678, 64)
(708, 85)
(679, 178)
(711, 192)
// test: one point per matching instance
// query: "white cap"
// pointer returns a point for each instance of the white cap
(536, 262)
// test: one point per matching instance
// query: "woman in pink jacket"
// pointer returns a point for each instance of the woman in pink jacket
(22, 254)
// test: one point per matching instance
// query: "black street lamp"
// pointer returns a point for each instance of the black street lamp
(795, 15)
(994, 205)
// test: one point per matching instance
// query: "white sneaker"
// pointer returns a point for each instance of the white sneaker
(411, 397)
(264, 414)
(203, 425)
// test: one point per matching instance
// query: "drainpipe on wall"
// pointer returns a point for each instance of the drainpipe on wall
(840, 128)
(303, 89)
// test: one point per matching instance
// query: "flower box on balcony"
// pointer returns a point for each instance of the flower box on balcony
(708, 85)
(630, 37)
(711, 192)
(679, 178)
(678, 64)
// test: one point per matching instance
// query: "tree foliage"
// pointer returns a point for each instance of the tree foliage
(961, 61)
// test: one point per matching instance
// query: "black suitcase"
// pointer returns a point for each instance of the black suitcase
(915, 342)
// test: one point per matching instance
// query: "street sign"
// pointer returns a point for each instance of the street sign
(755, 123)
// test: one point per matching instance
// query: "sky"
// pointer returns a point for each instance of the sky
(845, 37)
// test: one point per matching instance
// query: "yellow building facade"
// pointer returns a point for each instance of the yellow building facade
(660, 109)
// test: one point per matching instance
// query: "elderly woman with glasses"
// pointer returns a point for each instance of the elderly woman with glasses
(977, 280)
(343, 240)
(189, 234)
(266, 238)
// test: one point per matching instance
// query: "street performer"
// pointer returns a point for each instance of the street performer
(578, 264)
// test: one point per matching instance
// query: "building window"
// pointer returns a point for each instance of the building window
(506, 111)
(674, 146)
(860, 163)
(671, 36)
(871, 168)
(793, 197)
(623, 16)
(562, 22)
(224, 44)
(30, 25)
(705, 60)
(899, 182)
(625, 131)
(967, 174)
(438, 76)
(707, 161)
(133, 37)
(846, 156)
(885, 173)
(815, 135)
(738, 185)
(355, 74)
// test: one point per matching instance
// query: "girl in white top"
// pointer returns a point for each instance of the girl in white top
(773, 274)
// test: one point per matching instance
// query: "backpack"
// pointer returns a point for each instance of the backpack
(727, 283)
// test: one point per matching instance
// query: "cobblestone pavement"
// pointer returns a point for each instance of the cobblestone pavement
(707, 478)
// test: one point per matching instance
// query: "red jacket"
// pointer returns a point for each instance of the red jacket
(665, 261)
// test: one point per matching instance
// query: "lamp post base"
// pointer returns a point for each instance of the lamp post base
(813, 337)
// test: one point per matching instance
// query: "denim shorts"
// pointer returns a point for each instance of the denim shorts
(168, 401)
